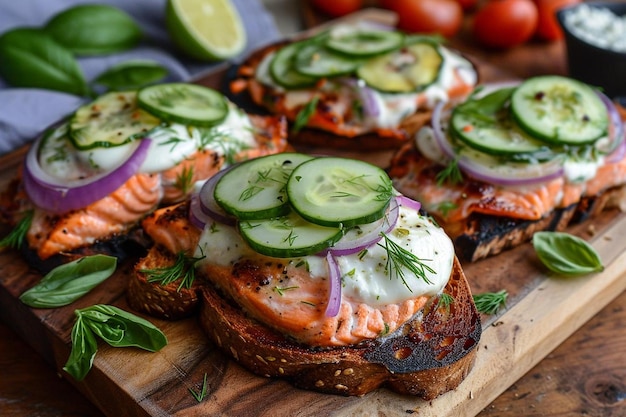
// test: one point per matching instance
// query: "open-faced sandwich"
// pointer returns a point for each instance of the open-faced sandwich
(515, 159)
(90, 179)
(355, 85)
(317, 271)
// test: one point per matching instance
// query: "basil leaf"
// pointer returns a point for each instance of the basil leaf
(122, 329)
(68, 282)
(116, 327)
(566, 254)
(84, 348)
(31, 58)
(131, 75)
(94, 29)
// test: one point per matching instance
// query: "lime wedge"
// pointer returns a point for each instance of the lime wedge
(207, 30)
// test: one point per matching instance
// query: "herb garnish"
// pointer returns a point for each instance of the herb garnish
(183, 269)
(451, 173)
(398, 257)
(566, 254)
(304, 115)
(490, 302)
(115, 326)
(199, 396)
(15, 238)
(445, 300)
(184, 179)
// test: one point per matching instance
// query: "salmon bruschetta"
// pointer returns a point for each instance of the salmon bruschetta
(514, 159)
(301, 266)
(94, 176)
(354, 86)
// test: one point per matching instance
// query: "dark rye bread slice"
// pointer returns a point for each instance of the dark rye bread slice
(170, 301)
(426, 357)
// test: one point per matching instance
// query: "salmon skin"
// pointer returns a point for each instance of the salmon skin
(120, 212)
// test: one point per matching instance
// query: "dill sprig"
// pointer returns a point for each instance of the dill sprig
(199, 396)
(490, 302)
(183, 269)
(184, 180)
(16, 237)
(445, 300)
(303, 116)
(451, 173)
(398, 257)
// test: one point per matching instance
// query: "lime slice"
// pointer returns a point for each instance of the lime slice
(208, 30)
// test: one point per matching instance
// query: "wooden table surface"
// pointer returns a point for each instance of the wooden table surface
(584, 376)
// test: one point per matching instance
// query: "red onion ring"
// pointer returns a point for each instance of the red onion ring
(197, 217)
(334, 277)
(541, 173)
(616, 129)
(207, 202)
(366, 94)
(405, 201)
(57, 197)
(368, 235)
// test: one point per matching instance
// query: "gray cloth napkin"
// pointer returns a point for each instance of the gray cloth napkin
(24, 113)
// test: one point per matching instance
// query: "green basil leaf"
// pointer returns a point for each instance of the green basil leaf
(31, 58)
(84, 348)
(131, 75)
(122, 329)
(94, 29)
(68, 282)
(566, 254)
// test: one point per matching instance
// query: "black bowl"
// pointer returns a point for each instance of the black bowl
(594, 65)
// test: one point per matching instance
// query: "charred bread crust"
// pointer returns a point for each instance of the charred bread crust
(426, 357)
(312, 136)
(167, 302)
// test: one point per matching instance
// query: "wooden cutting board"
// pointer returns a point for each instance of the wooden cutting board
(542, 311)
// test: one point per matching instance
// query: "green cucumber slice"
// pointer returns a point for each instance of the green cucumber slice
(256, 189)
(559, 110)
(112, 119)
(282, 68)
(339, 192)
(408, 69)
(315, 60)
(187, 104)
(365, 43)
(288, 236)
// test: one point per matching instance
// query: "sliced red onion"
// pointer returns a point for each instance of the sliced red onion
(207, 202)
(371, 107)
(56, 196)
(405, 201)
(334, 277)
(619, 153)
(515, 175)
(197, 217)
(616, 128)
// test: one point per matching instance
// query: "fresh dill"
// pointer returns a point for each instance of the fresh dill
(183, 269)
(445, 301)
(446, 206)
(304, 115)
(184, 179)
(399, 258)
(451, 173)
(281, 290)
(490, 302)
(199, 396)
(15, 238)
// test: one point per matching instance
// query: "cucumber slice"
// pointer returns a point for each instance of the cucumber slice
(289, 236)
(559, 110)
(282, 68)
(315, 60)
(365, 43)
(187, 104)
(112, 119)
(411, 68)
(336, 192)
(255, 189)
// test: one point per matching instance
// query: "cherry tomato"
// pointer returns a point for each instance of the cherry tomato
(467, 4)
(548, 27)
(337, 8)
(505, 23)
(442, 17)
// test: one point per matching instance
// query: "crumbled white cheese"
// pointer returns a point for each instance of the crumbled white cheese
(598, 26)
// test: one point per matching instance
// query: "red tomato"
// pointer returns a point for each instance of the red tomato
(548, 27)
(337, 8)
(443, 17)
(467, 4)
(505, 23)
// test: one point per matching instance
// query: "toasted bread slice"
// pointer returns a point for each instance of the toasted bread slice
(428, 356)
